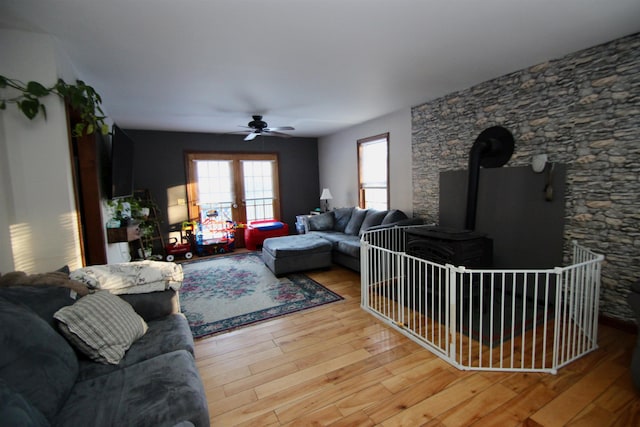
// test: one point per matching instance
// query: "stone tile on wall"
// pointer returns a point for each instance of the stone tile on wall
(582, 110)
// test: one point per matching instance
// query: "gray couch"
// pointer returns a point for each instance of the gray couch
(343, 227)
(44, 380)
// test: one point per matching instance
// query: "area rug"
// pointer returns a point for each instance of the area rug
(231, 291)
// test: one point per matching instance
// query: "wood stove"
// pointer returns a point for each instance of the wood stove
(450, 246)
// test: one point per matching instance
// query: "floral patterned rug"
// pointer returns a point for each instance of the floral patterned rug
(231, 291)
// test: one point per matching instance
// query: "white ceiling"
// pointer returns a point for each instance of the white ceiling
(317, 65)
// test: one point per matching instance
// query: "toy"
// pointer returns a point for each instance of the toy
(174, 248)
(215, 246)
(259, 230)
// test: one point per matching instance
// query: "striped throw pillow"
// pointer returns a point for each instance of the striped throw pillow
(101, 325)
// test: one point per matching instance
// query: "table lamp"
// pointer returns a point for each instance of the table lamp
(326, 196)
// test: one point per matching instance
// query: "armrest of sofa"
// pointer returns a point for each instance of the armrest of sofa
(153, 305)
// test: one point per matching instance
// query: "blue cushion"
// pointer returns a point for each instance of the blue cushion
(342, 217)
(321, 222)
(265, 226)
(15, 410)
(393, 216)
(373, 218)
(35, 360)
(353, 226)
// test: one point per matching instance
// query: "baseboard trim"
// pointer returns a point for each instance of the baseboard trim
(623, 325)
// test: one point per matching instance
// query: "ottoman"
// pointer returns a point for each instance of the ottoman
(288, 254)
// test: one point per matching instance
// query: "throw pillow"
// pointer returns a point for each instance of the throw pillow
(342, 217)
(322, 222)
(101, 325)
(353, 226)
(394, 216)
(373, 218)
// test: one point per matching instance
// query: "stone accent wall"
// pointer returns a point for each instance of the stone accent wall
(582, 110)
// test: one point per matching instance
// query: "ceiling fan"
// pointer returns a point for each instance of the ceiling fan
(259, 127)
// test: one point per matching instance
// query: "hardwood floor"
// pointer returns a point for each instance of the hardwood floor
(337, 365)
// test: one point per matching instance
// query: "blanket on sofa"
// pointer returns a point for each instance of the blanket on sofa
(132, 277)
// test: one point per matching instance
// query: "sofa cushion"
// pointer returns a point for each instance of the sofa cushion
(15, 410)
(393, 216)
(373, 218)
(355, 222)
(42, 300)
(296, 245)
(341, 218)
(350, 246)
(154, 305)
(164, 335)
(101, 325)
(320, 222)
(332, 236)
(162, 391)
(35, 360)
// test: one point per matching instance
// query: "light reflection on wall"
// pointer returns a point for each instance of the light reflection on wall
(22, 247)
(70, 249)
(177, 204)
(34, 254)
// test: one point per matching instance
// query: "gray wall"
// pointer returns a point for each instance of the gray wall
(583, 110)
(160, 167)
(338, 156)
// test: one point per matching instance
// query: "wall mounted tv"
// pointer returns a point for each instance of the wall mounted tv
(122, 152)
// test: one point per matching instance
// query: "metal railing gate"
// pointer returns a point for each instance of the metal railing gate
(505, 320)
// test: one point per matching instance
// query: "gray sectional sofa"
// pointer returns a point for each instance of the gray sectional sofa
(343, 227)
(47, 381)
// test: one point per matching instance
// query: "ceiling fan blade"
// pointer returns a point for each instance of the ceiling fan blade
(251, 136)
(280, 128)
(280, 134)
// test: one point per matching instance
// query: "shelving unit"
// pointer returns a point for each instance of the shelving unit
(153, 219)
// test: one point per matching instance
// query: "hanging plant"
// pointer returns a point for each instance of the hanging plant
(81, 97)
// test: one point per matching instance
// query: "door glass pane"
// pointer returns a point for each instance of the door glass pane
(258, 189)
(215, 195)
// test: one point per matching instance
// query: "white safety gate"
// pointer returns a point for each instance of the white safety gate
(504, 320)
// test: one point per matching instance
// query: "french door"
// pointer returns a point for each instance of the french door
(225, 187)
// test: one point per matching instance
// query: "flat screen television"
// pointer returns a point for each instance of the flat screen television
(122, 153)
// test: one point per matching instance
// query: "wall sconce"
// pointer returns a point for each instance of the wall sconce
(538, 162)
(326, 196)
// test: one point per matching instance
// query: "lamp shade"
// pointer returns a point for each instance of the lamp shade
(326, 194)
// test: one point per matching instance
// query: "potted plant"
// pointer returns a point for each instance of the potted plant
(81, 97)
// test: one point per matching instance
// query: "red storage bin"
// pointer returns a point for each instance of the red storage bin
(258, 230)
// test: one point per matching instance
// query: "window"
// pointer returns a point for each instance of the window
(232, 187)
(373, 172)
(258, 188)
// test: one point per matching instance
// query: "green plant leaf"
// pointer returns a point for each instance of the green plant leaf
(36, 89)
(29, 107)
(81, 97)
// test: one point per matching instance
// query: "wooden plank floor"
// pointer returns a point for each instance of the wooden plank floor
(337, 365)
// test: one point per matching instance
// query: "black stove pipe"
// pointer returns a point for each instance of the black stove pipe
(475, 156)
(492, 149)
